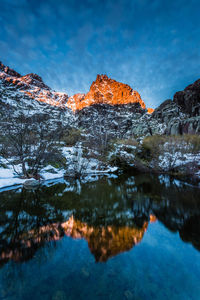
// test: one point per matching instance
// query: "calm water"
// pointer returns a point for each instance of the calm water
(131, 237)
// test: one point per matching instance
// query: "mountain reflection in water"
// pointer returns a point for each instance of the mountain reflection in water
(112, 215)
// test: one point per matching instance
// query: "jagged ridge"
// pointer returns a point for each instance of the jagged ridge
(120, 108)
(103, 90)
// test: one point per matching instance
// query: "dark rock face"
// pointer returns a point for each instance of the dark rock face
(189, 99)
(166, 111)
(182, 115)
(116, 121)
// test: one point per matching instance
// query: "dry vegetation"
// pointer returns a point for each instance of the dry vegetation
(153, 146)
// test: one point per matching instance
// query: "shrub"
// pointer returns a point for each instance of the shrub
(128, 142)
(184, 143)
(169, 152)
(71, 136)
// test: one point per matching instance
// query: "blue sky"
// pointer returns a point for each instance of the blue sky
(152, 45)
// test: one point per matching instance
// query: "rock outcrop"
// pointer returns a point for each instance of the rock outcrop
(6, 71)
(189, 99)
(35, 80)
(32, 86)
(182, 114)
(105, 90)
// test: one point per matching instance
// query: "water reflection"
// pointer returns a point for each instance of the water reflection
(105, 241)
(112, 215)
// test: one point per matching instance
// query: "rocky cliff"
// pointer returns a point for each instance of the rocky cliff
(110, 108)
(31, 85)
(105, 90)
(182, 114)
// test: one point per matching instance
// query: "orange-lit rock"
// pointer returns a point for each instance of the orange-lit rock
(75, 101)
(150, 110)
(105, 91)
(33, 86)
(24, 246)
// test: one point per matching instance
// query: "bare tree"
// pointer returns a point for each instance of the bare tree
(29, 141)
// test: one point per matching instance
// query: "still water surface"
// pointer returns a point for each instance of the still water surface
(131, 237)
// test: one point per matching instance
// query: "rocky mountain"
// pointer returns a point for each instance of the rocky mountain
(31, 85)
(29, 95)
(105, 91)
(109, 107)
(102, 91)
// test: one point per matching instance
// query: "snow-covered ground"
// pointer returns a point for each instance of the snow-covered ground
(87, 167)
(84, 165)
(125, 152)
(8, 178)
(168, 160)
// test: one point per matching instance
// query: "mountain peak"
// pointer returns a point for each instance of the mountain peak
(7, 71)
(22, 81)
(34, 79)
(32, 86)
(105, 90)
(102, 77)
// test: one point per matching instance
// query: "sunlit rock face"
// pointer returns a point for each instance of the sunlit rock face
(32, 86)
(150, 110)
(33, 79)
(102, 91)
(105, 90)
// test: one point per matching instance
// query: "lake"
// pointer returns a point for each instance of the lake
(126, 237)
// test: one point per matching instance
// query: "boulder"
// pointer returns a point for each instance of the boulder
(72, 174)
(31, 183)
